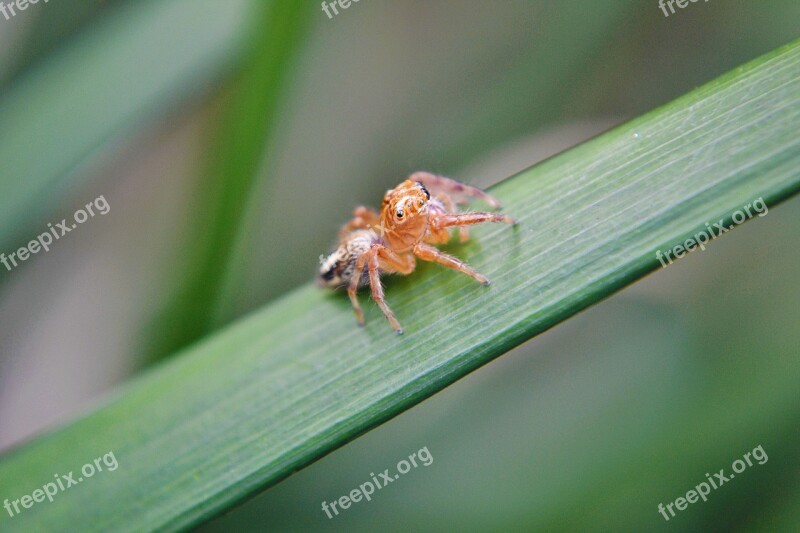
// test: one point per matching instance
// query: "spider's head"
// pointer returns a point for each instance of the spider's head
(405, 211)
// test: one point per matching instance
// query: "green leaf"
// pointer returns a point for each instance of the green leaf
(51, 27)
(245, 128)
(108, 82)
(277, 390)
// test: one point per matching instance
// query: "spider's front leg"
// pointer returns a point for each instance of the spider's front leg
(450, 206)
(377, 290)
(430, 253)
(363, 218)
(461, 193)
(377, 257)
(468, 219)
(426, 252)
(352, 289)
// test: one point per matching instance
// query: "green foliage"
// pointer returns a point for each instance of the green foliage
(245, 127)
(99, 89)
(268, 395)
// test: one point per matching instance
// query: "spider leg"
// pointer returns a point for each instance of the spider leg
(463, 232)
(427, 252)
(377, 290)
(363, 218)
(466, 219)
(461, 193)
(377, 257)
(391, 261)
(352, 289)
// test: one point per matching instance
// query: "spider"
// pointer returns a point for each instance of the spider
(415, 215)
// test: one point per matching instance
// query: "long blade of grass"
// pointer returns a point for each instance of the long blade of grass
(106, 83)
(245, 130)
(279, 389)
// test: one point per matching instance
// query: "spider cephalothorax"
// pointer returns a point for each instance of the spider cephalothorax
(419, 212)
(404, 215)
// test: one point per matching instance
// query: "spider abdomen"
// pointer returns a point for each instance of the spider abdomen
(338, 268)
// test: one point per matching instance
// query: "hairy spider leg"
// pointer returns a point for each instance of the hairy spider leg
(438, 222)
(461, 193)
(363, 218)
(466, 219)
(450, 207)
(352, 289)
(427, 252)
(378, 258)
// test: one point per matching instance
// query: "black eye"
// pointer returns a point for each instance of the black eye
(399, 213)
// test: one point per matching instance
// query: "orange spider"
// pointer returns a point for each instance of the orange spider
(416, 214)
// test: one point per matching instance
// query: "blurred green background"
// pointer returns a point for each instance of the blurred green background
(588, 426)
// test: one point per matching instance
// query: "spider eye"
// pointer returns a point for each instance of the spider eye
(399, 213)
